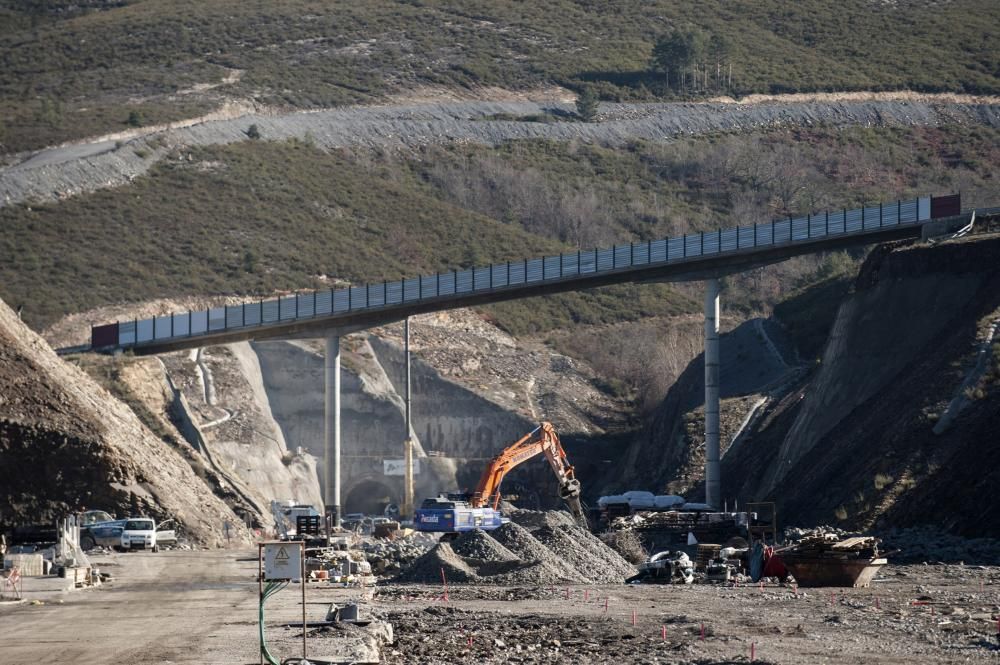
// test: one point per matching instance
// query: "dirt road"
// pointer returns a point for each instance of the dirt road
(159, 608)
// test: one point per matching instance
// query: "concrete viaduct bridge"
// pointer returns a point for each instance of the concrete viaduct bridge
(333, 313)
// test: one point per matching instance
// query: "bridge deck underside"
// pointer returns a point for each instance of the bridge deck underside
(689, 258)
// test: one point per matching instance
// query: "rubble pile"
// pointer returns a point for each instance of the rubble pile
(534, 548)
(823, 558)
(389, 557)
(337, 565)
(829, 544)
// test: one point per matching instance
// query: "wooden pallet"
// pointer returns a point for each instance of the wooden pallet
(706, 552)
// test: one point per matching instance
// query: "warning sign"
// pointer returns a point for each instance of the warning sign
(283, 561)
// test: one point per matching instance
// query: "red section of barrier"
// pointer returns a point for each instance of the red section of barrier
(101, 336)
(946, 206)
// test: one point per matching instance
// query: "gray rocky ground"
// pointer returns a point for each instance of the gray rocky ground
(197, 607)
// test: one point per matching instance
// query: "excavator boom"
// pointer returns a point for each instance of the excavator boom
(542, 440)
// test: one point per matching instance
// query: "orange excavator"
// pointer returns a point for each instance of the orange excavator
(480, 510)
(542, 440)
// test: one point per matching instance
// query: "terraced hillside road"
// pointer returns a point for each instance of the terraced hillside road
(101, 162)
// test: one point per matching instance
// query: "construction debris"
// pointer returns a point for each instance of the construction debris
(666, 568)
(338, 566)
(825, 559)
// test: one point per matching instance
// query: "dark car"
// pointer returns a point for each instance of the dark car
(104, 534)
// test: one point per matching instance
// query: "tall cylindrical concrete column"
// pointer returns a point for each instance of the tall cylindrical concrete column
(407, 508)
(713, 481)
(406, 361)
(331, 429)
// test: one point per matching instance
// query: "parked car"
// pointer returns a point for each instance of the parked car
(103, 534)
(164, 535)
(139, 533)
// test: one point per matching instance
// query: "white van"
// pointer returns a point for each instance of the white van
(139, 533)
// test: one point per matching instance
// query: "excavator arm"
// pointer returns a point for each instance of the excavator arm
(542, 440)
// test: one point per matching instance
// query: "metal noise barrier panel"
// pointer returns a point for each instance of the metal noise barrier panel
(516, 273)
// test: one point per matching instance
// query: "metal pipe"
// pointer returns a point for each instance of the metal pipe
(713, 483)
(331, 430)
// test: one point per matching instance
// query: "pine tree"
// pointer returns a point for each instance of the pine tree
(586, 105)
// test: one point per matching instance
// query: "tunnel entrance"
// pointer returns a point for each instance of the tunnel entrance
(369, 497)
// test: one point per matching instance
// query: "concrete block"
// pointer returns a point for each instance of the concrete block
(30, 565)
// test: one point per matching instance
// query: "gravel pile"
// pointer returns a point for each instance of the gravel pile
(533, 519)
(427, 569)
(479, 545)
(519, 540)
(579, 548)
(553, 550)
(534, 573)
(560, 544)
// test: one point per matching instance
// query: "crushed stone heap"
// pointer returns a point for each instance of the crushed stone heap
(535, 548)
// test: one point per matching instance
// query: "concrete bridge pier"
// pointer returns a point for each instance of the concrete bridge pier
(331, 430)
(713, 482)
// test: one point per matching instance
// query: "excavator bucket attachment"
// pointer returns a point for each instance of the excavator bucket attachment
(570, 493)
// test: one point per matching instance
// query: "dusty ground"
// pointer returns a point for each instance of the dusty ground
(200, 607)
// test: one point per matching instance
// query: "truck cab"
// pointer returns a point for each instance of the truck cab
(454, 515)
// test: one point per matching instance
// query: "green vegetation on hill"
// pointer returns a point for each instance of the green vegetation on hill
(72, 69)
(257, 217)
(254, 217)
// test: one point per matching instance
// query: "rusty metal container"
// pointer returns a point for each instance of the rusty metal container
(832, 571)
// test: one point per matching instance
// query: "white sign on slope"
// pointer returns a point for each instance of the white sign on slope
(283, 561)
(397, 467)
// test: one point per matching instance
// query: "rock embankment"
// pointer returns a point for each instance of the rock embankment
(66, 444)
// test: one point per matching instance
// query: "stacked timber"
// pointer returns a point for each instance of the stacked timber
(828, 545)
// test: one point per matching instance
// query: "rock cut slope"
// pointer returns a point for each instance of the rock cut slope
(858, 441)
(66, 444)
